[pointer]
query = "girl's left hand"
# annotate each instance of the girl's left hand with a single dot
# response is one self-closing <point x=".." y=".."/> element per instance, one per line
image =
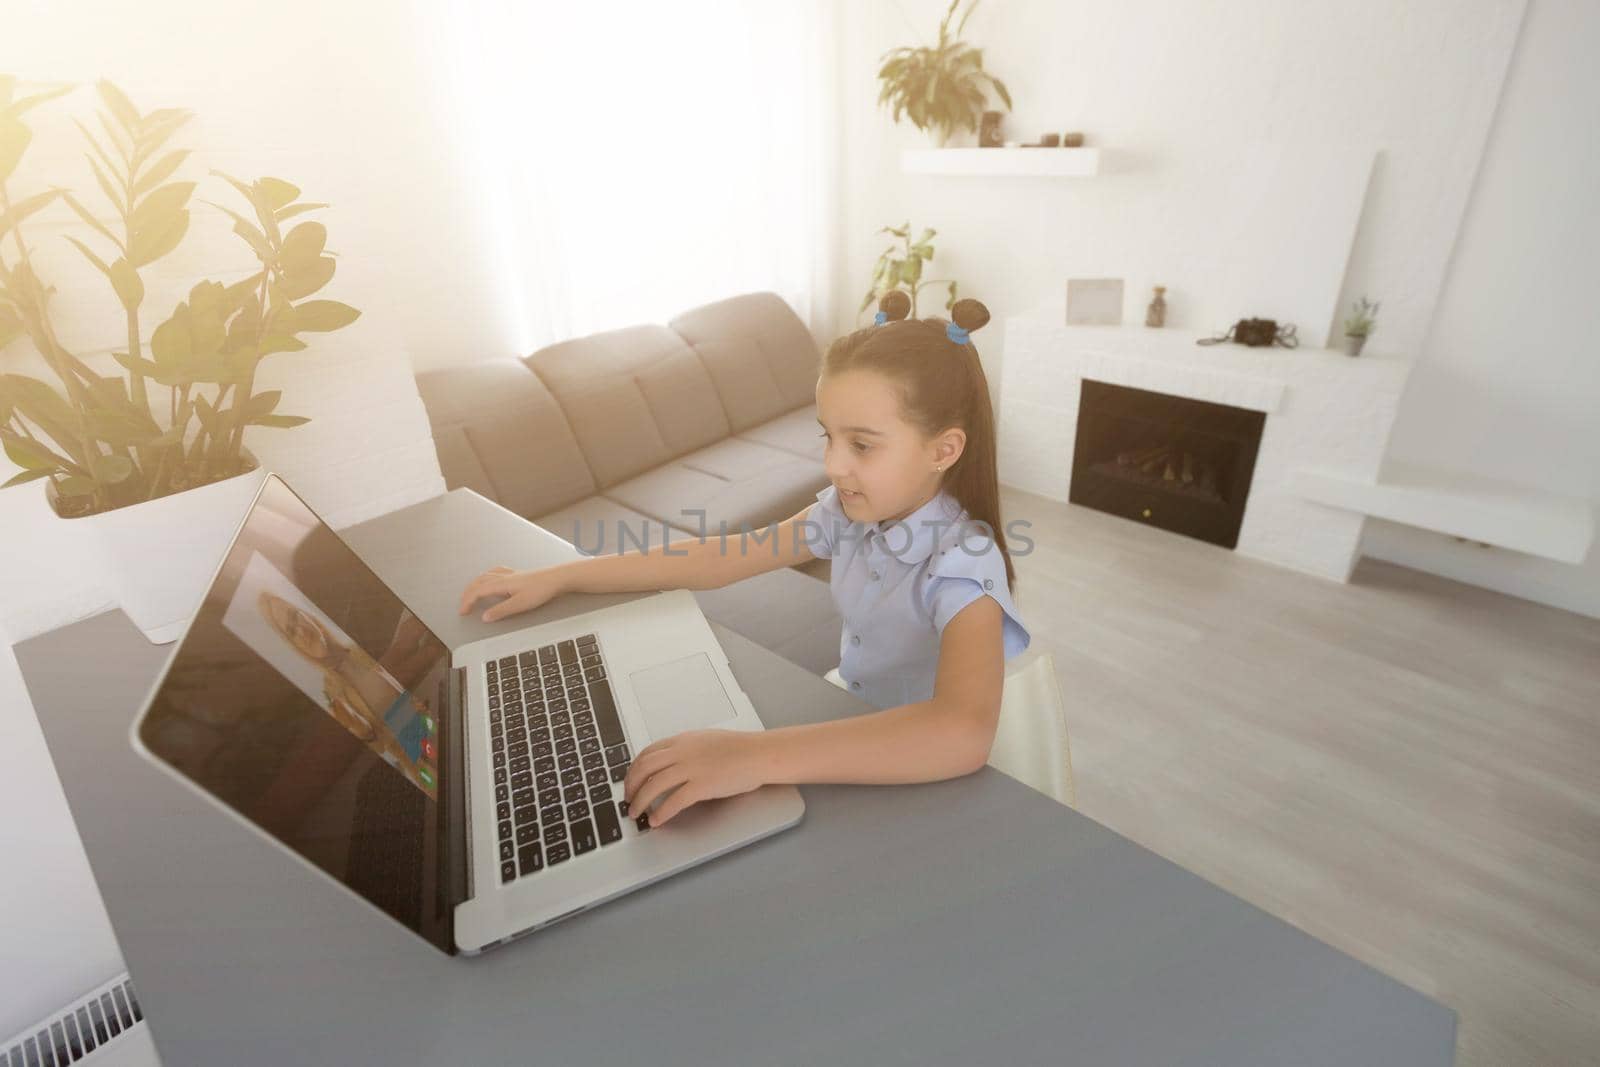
<point x="696" y="765"/>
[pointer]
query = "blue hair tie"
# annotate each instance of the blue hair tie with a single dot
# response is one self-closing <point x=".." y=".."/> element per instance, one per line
<point x="880" y="318"/>
<point x="956" y="334"/>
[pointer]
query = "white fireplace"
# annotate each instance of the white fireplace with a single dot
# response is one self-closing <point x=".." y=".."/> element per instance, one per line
<point x="1323" y="409"/>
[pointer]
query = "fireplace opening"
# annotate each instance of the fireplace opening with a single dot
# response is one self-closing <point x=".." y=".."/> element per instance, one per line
<point x="1169" y="461"/>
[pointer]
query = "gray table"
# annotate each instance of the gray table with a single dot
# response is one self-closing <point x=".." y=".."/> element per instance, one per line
<point x="960" y="922"/>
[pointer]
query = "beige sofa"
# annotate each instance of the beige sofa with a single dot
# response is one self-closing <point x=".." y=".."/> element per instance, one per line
<point x="638" y="429"/>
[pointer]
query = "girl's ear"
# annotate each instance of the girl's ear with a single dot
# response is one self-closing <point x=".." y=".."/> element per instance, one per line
<point x="947" y="448"/>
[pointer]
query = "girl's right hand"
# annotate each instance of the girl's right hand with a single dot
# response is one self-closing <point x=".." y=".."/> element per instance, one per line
<point x="523" y="591"/>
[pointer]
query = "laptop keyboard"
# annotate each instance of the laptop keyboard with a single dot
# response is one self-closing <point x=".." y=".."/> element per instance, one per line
<point x="558" y="750"/>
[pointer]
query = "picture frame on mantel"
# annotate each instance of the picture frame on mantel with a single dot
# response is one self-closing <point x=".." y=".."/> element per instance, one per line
<point x="1094" y="301"/>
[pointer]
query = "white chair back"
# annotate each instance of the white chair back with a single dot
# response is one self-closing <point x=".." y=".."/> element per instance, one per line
<point x="1030" y="742"/>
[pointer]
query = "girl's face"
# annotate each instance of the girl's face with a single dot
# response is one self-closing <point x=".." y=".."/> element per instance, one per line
<point x="881" y="464"/>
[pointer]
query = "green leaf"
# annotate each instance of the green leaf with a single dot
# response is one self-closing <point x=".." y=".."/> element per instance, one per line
<point x="297" y="209"/>
<point x="45" y="408"/>
<point x="122" y="429"/>
<point x="277" y="193"/>
<point x="157" y="128"/>
<point x="23" y="208"/>
<point x="156" y="210"/>
<point x="263" y="403"/>
<point x="321" y="316"/>
<point x="277" y="342"/>
<point x="11" y="327"/>
<point x="301" y="283"/>
<point x="282" y="421"/>
<point x="303" y="246"/>
<point x="75" y="485"/>
<point x="120" y="106"/>
<point x="114" y="138"/>
<point x="125" y="280"/>
<point x="29" y="102"/>
<point x="137" y="365"/>
<point x="108" y="187"/>
<point x="150" y="245"/>
<point x="207" y="413"/>
<point x="29" y="454"/>
<point x="244" y="190"/>
<point x="25" y="476"/>
<point x="170" y="343"/>
<point x="96" y="224"/>
<point x="105" y="268"/>
<point x="14" y="138"/>
<point x="112" y="469"/>
<point x="247" y="229"/>
<point x="160" y="172"/>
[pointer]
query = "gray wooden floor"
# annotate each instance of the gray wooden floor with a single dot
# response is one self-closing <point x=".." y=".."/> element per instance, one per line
<point x="1405" y="767"/>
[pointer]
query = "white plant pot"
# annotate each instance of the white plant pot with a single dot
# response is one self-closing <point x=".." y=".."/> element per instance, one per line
<point x="157" y="558"/>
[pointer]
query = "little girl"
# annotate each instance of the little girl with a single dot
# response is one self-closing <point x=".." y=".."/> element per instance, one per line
<point x="921" y="574"/>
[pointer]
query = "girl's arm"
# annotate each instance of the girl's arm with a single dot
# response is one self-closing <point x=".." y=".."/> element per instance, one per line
<point x="946" y="737"/>
<point x="701" y="563"/>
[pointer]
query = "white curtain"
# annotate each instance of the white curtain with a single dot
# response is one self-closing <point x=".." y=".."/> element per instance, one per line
<point x="638" y="159"/>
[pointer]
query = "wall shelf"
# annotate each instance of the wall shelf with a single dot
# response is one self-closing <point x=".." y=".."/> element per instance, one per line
<point x="1009" y="162"/>
<point x="1526" y="520"/>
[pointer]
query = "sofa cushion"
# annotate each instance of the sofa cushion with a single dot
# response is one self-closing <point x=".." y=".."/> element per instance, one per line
<point x="499" y="432"/>
<point x="677" y="494"/>
<point x="734" y="459"/>
<point x="684" y="402"/>
<point x="632" y="397"/>
<point x="762" y="358"/>
<point x="796" y="432"/>
<point x="597" y="526"/>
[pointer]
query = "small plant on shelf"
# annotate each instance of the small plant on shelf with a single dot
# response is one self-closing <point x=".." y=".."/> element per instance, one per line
<point x="941" y="89"/>
<point x="1360" y="325"/>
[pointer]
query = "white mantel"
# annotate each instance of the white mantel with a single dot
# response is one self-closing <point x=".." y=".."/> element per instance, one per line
<point x="1323" y="408"/>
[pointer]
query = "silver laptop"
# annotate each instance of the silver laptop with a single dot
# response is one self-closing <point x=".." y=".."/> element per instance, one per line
<point x="472" y="794"/>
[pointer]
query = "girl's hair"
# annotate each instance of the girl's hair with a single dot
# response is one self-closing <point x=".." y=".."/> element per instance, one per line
<point x="940" y="384"/>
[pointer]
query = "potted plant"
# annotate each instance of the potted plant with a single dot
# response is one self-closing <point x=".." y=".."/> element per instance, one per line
<point x="905" y="271"/>
<point x="941" y="89"/>
<point x="1359" y="325"/>
<point x="160" y="485"/>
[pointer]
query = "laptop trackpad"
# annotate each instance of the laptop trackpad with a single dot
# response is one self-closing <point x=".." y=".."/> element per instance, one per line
<point x="685" y="694"/>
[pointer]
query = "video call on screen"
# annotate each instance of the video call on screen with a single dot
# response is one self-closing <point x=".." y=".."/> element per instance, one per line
<point x="307" y="697"/>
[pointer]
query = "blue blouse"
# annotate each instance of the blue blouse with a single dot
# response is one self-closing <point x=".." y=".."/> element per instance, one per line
<point x="897" y="584"/>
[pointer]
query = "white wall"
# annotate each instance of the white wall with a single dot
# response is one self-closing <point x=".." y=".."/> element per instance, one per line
<point x="1508" y="382"/>
<point x="338" y="98"/>
<point x="1168" y="90"/>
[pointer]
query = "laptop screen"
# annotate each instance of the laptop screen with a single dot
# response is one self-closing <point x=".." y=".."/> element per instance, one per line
<point x="308" y="698"/>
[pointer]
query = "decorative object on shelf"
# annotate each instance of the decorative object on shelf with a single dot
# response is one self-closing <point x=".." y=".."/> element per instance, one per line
<point x="1072" y="140"/>
<point x="101" y="444"/>
<point x="941" y="89"/>
<point x="1049" y="140"/>
<point x="905" y="272"/>
<point x="1094" y="302"/>
<point x="1156" y="313"/>
<point x="1359" y="325"/>
<point x="989" y="130"/>
<point x="1257" y="333"/>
